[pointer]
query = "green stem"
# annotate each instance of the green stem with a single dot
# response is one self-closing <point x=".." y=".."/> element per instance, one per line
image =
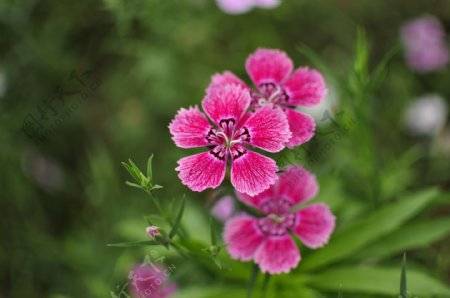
<point x="265" y="284"/>
<point x="252" y="281"/>
<point x="155" y="201"/>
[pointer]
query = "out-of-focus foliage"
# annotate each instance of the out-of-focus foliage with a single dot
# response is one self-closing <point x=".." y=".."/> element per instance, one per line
<point x="116" y="72"/>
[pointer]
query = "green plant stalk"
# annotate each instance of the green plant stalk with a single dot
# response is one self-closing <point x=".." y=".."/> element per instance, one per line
<point x="265" y="284"/>
<point x="158" y="206"/>
<point x="252" y="281"/>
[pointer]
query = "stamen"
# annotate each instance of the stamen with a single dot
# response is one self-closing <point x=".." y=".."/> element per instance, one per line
<point x="274" y="95"/>
<point x="223" y="135"/>
<point x="235" y="142"/>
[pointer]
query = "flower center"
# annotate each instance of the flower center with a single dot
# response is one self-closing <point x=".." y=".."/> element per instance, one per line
<point x="269" y="93"/>
<point x="278" y="220"/>
<point x="226" y="139"/>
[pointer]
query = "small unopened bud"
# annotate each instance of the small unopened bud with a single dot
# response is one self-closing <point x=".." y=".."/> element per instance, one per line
<point x="152" y="232"/>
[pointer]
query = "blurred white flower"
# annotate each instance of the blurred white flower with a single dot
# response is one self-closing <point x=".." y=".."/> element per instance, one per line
<point x="426" y="115"/>
<point x="243" y="6"/>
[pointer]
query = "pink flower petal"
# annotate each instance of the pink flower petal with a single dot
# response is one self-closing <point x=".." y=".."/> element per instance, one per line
<point x="252" y="173"/>
<point x="225" y="78"/>
<point x="268" y="66"/>
<point x="226" y="102"/>
<point x="201" y="171"/>
<point x="297" y="185"/>
<point x="278" y="254"/>
<point x="314" y="225"/>
<point x="223" y="208"/>
<point x="302" y="127"/>
<point x="243" y="237"/>
<point x="428" y="60"/>
<point x="235" y="6"/>
<point x="189" y="128"/>
<point x="306" y="87"/>
<point x="268" y="129"/>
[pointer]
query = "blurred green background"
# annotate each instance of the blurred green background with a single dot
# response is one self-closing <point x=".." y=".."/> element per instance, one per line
<point x="118" y="71"/>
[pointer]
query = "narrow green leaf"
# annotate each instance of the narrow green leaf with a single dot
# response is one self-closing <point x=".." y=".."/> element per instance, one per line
<point x="362" y="53"/>
<point x="156" y="186"/>
<point x="376" y="281"/>
<point x="134" y="166"/>
<point x="411" y="236"/>
<point x="133" y="184"/>
<point x="144" y="180"/>
<point x="149" y="168"/>
<point x="177" y="223"/>
<point x="375" y="225"/>
<point x="132" y="172"/>
<point x="135" y="243"/>
<point x="252" y="280"/>
<point x="403" y="287"/>
<point x="137" y="171"/>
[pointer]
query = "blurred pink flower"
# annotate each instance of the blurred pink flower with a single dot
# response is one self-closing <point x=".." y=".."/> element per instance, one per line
<point x="234" y="129"/>
<point x="152" y="232"/>
<point x="267" y="240"/>
<point x="147" y="281"/>
<point x="425" y="45"/>
<point x="223" y="208"/>
<point x="272" y="73"/>
<point x="242" y="6"/>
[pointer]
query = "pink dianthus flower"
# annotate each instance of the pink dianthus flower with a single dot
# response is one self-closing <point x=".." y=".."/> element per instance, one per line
<point x="232" y="131"/>
<point x="425" y="46"/>
<point x="147" y="281"/>
<point x="266" y="240"/>
<point x="272" y="73"/>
